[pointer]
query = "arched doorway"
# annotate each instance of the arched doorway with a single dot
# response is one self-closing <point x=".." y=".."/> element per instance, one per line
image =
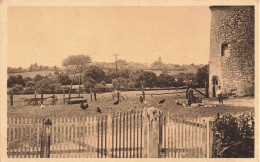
<point x="215" y="83"/>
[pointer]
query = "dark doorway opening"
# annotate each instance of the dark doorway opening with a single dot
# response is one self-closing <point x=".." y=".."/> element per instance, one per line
<point x="215" y="83"/>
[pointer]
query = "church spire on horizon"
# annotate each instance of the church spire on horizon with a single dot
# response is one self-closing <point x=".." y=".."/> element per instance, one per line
<point x="160" y="58"/>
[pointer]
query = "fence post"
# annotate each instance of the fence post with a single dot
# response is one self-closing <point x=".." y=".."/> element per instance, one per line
<point x="12" y="98"/>
<point x="146" y="134"/>
<point x="109" y="136"/>
<point x="41" y="96"/>
<point x="63" y="95"/>
<point x="53" y="98"/>
<point x="155" y="134"/>
<point x="35" y="98"/>
<point x="143" y="92"/>
<point x="95" y="94"/>
<point x="210" y="139"/>
<point x="90" y="91"/>
<point x="160" y="125"/>
<point x="45" y="139"/>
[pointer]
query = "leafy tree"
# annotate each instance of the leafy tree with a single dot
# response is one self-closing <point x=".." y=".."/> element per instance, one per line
<point x="38" y="77"/>
<point x="134" y="81"/>
<point x="164" y="80"/>
<point x="30" y="85"/>
<point x="203" y="75"/>
<point x="20" y="80"/>
<point x="95" y="73"/>
<point x="108" y="79"/>
<point x="124" y="73"/>
<point x="131" y="84"/>
<point x="173" y="80"/>
<point x="26" y="79"/>
<point x="11" y="81"/>
<point x="47" y="83"/>
<point x="191" y="76"/>
<point x="89" y="83"/>
<point x="148" y="79"/>
<point x="17" y="88"/>
<point x="76" y="59"/>
<point x="122" y="82"/>
<point x="180" y="82"/>
<point x="64" y="79"/>
<point x="92" y="76"/>
<point x="34" y="67"/>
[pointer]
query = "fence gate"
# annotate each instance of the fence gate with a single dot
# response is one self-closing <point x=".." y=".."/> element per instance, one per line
<point x="121" y="135"/>
<point x="182" y="139"/>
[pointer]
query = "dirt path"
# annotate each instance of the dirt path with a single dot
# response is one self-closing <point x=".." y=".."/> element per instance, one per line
<point x="247" y="102"/>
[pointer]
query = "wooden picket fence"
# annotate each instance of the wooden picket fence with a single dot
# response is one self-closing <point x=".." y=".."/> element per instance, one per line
<point x="121" y="136"/>
<point x="183" y="139"/>
<point x="131" y="134"/>
<point x="23" y="137"/>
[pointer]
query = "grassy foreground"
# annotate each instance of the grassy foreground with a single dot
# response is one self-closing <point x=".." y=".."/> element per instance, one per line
<point x="105" y="102"/>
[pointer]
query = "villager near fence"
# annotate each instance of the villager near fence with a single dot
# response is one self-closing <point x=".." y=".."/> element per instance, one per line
<point x="133" y="134"/>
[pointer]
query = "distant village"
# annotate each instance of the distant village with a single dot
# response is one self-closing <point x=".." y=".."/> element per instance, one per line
<point x="104" y="76"/>
<point x="157" y="67"/>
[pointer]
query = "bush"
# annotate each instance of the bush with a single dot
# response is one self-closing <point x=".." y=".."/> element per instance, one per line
<point x="17" y="88"/>
<point x="234" y="136"/>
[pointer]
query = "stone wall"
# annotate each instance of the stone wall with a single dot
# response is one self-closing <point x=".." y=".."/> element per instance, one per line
<point x="232" y="25"/>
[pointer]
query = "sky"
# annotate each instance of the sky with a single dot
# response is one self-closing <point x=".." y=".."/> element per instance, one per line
<point x="47" y="35"/>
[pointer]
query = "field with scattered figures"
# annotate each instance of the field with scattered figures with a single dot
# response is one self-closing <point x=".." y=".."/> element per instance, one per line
<point x="130" y="102"/>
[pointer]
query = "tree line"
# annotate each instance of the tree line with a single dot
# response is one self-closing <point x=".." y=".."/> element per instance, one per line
<point x="32" y="67"/>
<point x="93" y="76"/>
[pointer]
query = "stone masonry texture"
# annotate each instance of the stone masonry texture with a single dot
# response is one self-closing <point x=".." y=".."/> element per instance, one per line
<point x="234" y="26"/>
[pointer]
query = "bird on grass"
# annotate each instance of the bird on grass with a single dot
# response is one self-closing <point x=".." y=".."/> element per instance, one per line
<point x="162" y="101"/>
<point x="116" y="103"/>
<point x="178" y="103"/>
<point x="83" y="107"/>
<point x="189" y="102"/>
<point x="98" y="110"/>
<point x="42" y="106"/>
<point x="141" y="99"/>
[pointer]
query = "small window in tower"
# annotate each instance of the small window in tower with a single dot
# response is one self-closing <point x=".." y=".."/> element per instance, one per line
<point x="224" y="50"/>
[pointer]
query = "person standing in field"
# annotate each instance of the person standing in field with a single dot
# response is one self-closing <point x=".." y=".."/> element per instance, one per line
<point x="220" y="95"/>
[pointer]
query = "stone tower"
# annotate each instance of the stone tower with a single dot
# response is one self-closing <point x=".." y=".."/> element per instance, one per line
<point x="231" y="63"/>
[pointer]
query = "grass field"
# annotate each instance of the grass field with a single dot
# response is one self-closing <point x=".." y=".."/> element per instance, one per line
<point x="33" y="73"/>
<point x="105" y="102"/>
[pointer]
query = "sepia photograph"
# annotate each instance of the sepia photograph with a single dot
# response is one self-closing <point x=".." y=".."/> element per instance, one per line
<point x="131" y="81"/>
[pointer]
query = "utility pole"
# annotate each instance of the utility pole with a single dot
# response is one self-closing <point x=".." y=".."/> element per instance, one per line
<point x="80" y="71"/>
<point x="116" y="77"/>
